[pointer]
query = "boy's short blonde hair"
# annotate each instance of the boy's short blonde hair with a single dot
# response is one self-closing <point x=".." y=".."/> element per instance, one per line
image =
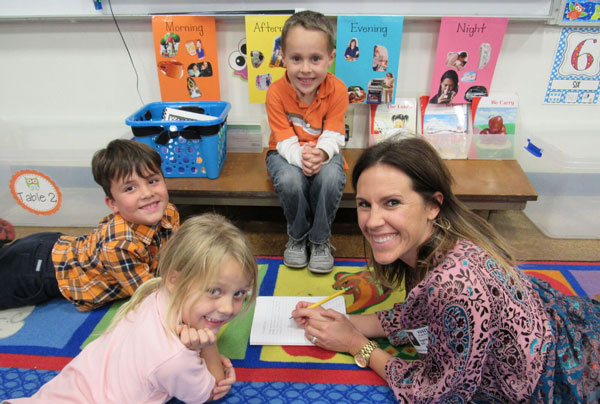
<point x="311" y="21"/>
<point x="120" y="158"/>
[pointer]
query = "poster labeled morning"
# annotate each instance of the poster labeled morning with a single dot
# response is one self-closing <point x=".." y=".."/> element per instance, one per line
<point x="186" y="57"/>
<point x="466" y="56"/>
<point x="263" y="44"/>
<point x="367" y="55"/>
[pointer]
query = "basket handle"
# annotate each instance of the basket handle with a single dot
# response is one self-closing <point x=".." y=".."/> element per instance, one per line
<point x="189" y="133"/>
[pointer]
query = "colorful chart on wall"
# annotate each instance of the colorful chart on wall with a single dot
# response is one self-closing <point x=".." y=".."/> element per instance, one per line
<point x="265" y="63"/>
<point x="186" y="57"/>
<point x="467" y="51"/>
<point x="580" y="12"/>
<point x="575" y="75"/>
<point x="35" y="192"/>
<point x="367" y="57"/>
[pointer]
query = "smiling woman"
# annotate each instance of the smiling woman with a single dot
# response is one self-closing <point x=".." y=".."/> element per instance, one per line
<point x="465" y="299"/>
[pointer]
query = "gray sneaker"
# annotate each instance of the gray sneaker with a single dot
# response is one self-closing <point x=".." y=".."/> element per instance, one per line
<point x="295" y="254"/>
<point x="321" y="260"/>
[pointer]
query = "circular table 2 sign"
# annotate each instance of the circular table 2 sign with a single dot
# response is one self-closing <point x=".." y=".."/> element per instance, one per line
<point x="36" y="192"/>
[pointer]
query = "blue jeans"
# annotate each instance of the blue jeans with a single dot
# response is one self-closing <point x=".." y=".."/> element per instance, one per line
<point x="309" y="203"/>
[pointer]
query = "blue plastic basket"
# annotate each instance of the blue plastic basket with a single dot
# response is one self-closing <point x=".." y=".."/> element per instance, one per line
<point x="188" y="149"/>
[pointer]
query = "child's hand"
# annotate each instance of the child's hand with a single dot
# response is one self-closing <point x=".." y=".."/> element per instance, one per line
<point x="194" y="339"/>
<point x="312" y="159"/>
<point x="222" y="387"/>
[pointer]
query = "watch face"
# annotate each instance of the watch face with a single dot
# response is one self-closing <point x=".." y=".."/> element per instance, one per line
<point x="360" y="360"/>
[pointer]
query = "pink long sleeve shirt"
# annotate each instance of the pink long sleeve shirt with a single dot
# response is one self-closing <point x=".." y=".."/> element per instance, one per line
<point x="139" y="361"/>
<point x="488" y="333"/>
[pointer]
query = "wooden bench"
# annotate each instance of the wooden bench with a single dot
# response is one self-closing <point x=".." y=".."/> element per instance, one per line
<point x="481" y="184"/>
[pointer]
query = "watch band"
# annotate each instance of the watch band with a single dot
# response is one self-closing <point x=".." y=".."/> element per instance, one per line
<point x="366" y="351"/>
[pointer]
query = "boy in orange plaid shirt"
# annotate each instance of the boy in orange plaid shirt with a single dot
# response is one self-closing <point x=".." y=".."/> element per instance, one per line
<point x="117" y="257"/>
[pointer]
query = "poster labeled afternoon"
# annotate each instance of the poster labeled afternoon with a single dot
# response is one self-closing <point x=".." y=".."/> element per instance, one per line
<point x="367" y="56"/>
<point x="265" y="60"/>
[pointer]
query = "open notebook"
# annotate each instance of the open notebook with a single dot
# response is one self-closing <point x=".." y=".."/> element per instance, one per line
<point x="272" y="324"/>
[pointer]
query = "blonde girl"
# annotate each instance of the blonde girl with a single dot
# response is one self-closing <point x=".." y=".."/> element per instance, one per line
<point x="162" y="342"/>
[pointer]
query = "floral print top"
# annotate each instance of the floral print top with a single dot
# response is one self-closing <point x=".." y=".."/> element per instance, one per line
<point x="488" y="333"/>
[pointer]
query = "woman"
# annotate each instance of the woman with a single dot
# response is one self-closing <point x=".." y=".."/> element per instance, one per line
<point x="352" y="51"/>
<point x="448" y="88"/>
<point x="492" y="334"/>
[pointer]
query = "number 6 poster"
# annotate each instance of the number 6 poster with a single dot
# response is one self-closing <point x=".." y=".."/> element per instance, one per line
<point x="575" y="75"/>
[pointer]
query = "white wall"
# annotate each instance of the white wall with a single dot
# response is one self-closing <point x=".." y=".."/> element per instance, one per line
<point x="69" y="84"/>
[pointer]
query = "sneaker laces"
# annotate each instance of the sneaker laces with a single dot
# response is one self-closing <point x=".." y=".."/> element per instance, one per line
<point x="322" y="248"/>
<point x="296" y="245"/>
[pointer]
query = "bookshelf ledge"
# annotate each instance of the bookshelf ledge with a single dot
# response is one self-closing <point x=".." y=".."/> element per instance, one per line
<point x="243" y="181"/>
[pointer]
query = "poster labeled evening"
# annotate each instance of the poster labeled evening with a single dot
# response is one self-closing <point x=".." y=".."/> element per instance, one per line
<point x="367" y="56"/>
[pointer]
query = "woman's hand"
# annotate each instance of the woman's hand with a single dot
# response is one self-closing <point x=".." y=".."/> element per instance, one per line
<point x="194" y="339"/>
<point x="222" y="387"/>
<point x="333" y="330"/>
<point x="300" y="320"/>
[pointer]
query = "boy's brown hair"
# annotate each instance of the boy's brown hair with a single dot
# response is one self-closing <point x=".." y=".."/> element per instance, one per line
<point x="120" y="159"/>
<point x="311" y="21"/>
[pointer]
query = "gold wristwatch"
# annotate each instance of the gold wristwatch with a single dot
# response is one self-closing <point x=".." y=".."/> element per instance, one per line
<point x="364" y="355"/>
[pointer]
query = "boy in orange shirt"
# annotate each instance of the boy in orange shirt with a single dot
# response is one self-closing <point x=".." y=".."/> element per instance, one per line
<point x="306" y="111"/>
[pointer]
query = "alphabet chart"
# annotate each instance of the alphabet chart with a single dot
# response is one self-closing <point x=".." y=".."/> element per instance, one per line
<point x="575" y="76"/>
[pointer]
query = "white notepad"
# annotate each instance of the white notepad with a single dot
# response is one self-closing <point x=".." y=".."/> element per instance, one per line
<point x="272" y="324"/>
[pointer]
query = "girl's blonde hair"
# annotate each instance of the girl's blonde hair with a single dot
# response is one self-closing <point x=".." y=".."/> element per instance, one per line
<point x="416" y="158"/>
<point x="196" y="252"/>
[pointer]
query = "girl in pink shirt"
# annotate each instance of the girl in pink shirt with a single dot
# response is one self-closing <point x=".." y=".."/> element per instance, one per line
<point x="162" y="342"/>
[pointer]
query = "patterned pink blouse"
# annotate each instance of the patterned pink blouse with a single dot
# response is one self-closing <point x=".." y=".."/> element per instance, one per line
<point x="488" y="333"/>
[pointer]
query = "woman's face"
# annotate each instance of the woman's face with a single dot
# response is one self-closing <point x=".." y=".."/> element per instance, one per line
<point x="394" y="219"/>
<point x="447" y="85"/>
<point x="353" y="44"/>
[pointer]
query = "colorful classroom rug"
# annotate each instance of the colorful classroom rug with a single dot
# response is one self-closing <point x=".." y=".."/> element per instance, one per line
<point x="36" y="342"/>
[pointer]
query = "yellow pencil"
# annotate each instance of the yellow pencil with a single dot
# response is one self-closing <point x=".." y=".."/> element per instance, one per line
<point x="336" y="294"/>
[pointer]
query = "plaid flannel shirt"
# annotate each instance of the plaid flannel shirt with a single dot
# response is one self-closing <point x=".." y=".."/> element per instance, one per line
<point x="112" y="261"/>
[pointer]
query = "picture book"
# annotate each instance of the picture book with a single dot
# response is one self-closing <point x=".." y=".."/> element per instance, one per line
<point x="263" y="44"/>
<point x="396" y="119"/>
<point x="465" y="60"/>
<point x="272" y="324"/>
<point x="186" y="57"/>
<point x="367" y="56"/>
<point x="494" y="118"/>
<point x="445" y="127"/>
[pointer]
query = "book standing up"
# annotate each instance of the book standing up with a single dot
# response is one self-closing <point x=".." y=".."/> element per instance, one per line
<point x="445" y="127"/>
<point x="396" y="119"/>
<point x="494" y="119"/>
